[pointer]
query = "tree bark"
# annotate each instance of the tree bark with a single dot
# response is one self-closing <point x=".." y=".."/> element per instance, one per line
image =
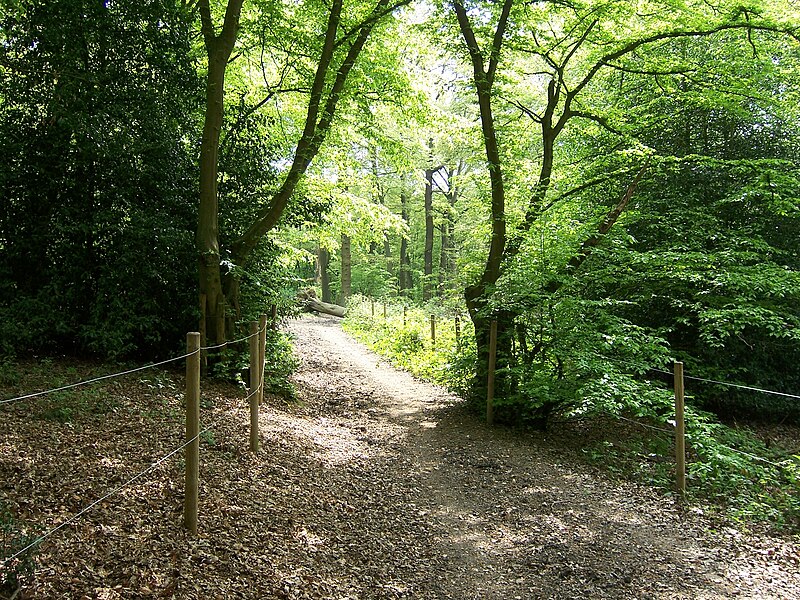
<point x="325" y="307"/>
<point x="323" y="260"/>
<point x="446" y="261"/>
<point x="427" y="273"/>
<point x="404" y="282"/>
<point x="218" y="49"/>
<point x="346" y="270"/>
<point x="476" y="294"/>
<point x="444" y="253"/>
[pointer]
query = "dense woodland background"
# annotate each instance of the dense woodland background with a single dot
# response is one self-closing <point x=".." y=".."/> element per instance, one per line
<point x="616" y="183"/>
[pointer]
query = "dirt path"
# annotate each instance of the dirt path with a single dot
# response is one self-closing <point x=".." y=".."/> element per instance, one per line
<point x="372" y="486"/>
<point x="435" y="505"/>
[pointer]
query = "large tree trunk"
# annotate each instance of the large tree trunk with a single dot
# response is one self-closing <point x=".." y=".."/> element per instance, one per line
<point x="476" y="295"/>
<point x="218" y="48"/>
<point x="446" y="261"/>
<point x="325" y="307"/>
<point x="326" y="92"/>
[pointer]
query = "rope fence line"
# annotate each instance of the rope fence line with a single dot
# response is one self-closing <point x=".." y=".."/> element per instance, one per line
<point x="133" y="479"/>
<point x="108" y="495"/>
<point x="701" y="379"/>
<point x="679" y="426"/>
<point x="733" y="385"/>
<point x="255" y="389"/>
<point x="123" y="373"/>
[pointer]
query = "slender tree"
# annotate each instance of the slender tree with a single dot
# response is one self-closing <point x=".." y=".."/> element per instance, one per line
<point x="340" y="50"/>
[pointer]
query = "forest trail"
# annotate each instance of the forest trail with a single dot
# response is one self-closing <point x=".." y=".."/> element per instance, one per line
<point x="440" y="506"/>
<point x="373" y="485"/>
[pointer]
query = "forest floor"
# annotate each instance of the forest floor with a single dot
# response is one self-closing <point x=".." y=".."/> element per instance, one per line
<point x="372" y="485"/>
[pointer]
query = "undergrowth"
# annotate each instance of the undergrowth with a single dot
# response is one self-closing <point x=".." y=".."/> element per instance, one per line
<point x="407" y="341"/>
<point x="280" y="362"/>
<point x="729" y="470"/>
<point x="15" y="537"/>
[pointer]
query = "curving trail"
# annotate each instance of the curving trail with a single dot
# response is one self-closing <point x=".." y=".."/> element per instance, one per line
<point x="372" y="486"/>
<point x="432" y="504"/>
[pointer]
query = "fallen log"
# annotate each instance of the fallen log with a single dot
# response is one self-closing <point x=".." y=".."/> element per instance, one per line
<point x="315" y="305"/>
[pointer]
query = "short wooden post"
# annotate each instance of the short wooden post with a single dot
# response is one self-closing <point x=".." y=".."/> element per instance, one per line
<point x="490" y="381"/>
<point x="262" y="350"/>
<point x="192" y="453"/>
<point x="680" y="431"/>
<point x="255" y="382"/>
<point x="372" y="307"/>
<point x="404" y="316"/>
<point x="384" y="310"/>
<point x="458" y="332"/>
<point x="433" y="329"/>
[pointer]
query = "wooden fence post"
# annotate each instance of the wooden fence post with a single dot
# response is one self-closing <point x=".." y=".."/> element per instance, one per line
<point x="384" y="310"/>
<point x="404" y="316"/>
<point x="680" y="431"/>
<point x="192" y="453"/>
<point x="458" y="333"/>
<point x="255" y="381"/>
<point x="433" y="329"/>
<point x="492" y="363"/>
<point x="262" y="351"/>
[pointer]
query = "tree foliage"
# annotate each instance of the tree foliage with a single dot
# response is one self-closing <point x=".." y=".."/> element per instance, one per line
<point x="97" y="175"/>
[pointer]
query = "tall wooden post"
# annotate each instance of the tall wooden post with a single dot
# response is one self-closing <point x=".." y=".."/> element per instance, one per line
<point x="255" y="382"/>
<point x="458" y="332"/>
<point x="262" y="350"/>
<point x="192" y="453"/>
<point x="680" y="431"/>
<point x="433" y="329"/>
<point x="492" y="363"/>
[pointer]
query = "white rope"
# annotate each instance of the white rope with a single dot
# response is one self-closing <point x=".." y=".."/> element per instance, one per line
<point x="754" y="457"/>
<point x="123" y="373"/>
<point x="139" y="475"/>
<point x="96" y="379"/>
<point x="113" y="492"/>
<point x="733" y="385"/>
<point x="244" y="339"/>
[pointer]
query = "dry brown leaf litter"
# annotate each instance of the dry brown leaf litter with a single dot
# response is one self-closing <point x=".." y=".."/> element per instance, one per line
<point x="374" y="486"/>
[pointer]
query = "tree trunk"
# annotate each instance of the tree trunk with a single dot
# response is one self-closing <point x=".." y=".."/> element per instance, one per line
<point x="326" y="92"/>
<point x="404" y="282"/>
<point x="427" y="273"/>
<point x="218" y="49"/>
<point x="444" y="253"/>
<point x="327" y="308"/>
<point x="346" y="270"/>
<point x="476" y="295"/>
<point x="323" y="260"/>
<point x="446" y="261"/>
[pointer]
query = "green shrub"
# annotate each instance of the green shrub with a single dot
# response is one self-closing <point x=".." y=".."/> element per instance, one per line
<point x="14" y="537"/>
